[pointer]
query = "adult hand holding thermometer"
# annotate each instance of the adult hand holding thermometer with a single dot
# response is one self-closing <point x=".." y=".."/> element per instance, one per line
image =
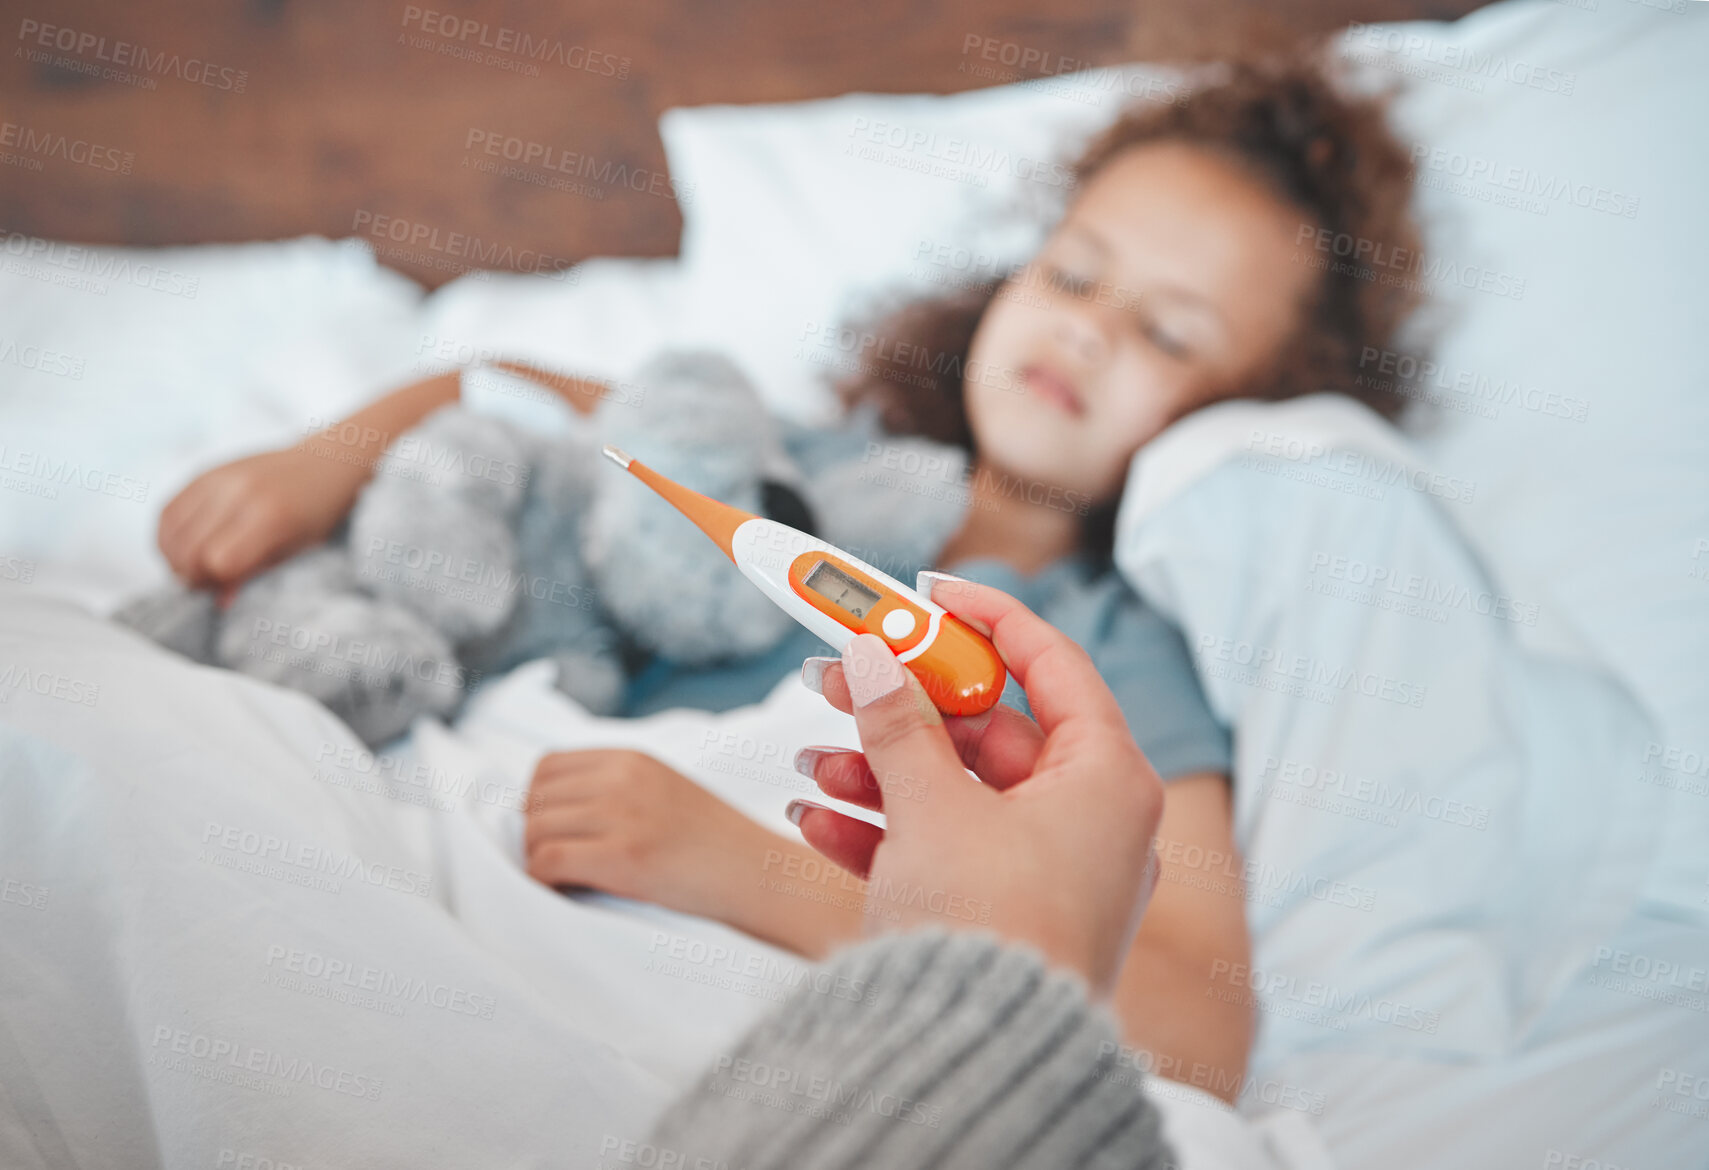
<point x="837" y="596"/>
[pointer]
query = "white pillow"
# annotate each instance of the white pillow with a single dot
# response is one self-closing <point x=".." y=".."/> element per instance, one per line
<point x="602" y="319"/>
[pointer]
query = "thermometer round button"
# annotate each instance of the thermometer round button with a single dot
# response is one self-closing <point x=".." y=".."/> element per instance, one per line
<point x="898" y="624"/>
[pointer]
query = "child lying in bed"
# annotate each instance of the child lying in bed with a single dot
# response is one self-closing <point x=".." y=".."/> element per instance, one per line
<point x="1184" y="272"/>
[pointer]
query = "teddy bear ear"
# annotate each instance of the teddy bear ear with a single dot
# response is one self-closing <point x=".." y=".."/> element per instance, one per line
<point x="784" y="504"/>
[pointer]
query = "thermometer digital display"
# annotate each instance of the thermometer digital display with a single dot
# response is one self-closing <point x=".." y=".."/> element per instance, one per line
<point x="830" y="582"/>
<point x="837" y="596"/>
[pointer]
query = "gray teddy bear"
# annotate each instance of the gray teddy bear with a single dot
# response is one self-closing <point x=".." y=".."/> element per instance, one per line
<point x="480" y="544"/>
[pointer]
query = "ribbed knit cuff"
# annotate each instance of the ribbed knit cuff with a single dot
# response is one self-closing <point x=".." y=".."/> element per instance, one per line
<point x="934" y="1048"/>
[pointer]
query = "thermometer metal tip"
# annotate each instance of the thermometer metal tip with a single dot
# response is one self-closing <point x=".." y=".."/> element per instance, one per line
<point x="617" y="455"/>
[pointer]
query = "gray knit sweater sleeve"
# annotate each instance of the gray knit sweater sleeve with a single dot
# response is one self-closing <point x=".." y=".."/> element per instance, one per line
<point x="944" y="1049"/>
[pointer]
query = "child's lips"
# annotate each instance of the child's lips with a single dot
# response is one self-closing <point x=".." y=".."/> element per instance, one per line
<point x="1053" y="388"/>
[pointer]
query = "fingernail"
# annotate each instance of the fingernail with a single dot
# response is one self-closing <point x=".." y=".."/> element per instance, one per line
<point x="870" y="669"/>
<point x="813" y="673"/>
<point x="925" y="579"/>
<point x="808" y="758"/>
<point x="796" y="809"/>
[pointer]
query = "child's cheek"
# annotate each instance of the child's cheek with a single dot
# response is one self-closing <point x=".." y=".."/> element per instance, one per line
<point x="1156" y="398"/>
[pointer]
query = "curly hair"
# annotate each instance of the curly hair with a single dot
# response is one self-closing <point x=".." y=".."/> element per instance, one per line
<point x="1285" y="123"/>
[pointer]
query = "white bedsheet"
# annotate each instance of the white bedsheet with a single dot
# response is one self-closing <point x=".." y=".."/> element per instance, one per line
<point x="230" y="932"/>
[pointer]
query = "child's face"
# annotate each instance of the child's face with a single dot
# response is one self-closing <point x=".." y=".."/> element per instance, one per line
<point x="1167" y="286"/>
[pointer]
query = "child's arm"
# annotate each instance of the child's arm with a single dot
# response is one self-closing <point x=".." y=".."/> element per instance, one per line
<point x="1183" y="997"/>
<point x="625" y="823"/>
<point x="238" y="518"/>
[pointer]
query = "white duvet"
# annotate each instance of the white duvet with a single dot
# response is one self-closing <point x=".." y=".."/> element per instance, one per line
<point x="232" y="933"/>
<point x="1446" y="858"/>
<point x="1436" y="843"/>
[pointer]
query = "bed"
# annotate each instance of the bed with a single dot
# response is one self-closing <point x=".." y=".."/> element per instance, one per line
<point x="1518" y="981"/>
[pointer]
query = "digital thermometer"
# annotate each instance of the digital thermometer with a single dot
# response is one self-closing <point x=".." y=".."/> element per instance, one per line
<point x="838" y="596"/>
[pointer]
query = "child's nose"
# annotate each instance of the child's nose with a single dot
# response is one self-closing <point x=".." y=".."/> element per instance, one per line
<point x="1082" y="334"/>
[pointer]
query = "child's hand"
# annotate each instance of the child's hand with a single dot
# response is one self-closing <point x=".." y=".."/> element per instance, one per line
<point x="233" y="521"/>
<point x="622" y="822"/>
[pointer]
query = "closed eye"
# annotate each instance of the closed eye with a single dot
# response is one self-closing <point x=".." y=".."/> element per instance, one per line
<point x="1163" y="339"/>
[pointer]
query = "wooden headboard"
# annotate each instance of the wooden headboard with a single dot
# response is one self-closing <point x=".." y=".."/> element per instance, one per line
<point x="214" y="120"/>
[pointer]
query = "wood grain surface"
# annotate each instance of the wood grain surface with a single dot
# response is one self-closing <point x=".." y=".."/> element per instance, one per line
<point x="497" y="133"/>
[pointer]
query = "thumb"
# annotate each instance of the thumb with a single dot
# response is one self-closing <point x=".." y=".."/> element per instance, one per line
<point x="901" y="732"/>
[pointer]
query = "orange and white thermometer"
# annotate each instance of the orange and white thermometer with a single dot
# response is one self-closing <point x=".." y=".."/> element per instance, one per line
<point x="838" y="596"/>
